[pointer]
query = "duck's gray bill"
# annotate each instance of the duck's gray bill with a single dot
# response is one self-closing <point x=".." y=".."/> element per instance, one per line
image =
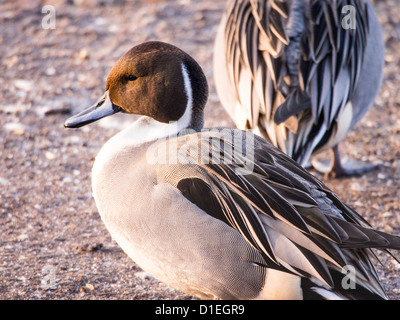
<point x="102" y="108"/>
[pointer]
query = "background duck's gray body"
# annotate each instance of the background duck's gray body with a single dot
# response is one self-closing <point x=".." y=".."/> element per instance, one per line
<point x="371" y="74"/>
<point x="271" y="71"/>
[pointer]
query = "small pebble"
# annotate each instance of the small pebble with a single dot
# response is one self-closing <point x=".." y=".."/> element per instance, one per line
<point x="89" y="286"/>
<point x="25" y="85"/>
<point x="50" y="155"/>
<point x="143" y="275"/>
<point x="15" y="128"/>
<point x="387" y="214"/>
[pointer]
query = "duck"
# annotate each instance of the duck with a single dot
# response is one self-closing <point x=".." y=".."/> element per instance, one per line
<point x="218" y="213"/>
<point x="301" y="74"/>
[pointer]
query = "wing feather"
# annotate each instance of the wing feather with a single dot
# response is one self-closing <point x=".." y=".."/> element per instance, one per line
<point x="296" y="223"/>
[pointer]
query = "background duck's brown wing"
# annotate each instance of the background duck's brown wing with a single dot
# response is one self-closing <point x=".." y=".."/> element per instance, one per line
<point x="295" y="65"/>
<point x="290" y="217"/>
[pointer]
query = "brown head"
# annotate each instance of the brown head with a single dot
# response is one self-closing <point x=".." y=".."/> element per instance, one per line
<point x="154" y="79"/>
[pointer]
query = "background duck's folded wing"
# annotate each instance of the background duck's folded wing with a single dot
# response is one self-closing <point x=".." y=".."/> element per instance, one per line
<point x="296" y="65"/>
<point x="330" y="66"/>
<point x="255" y="39"/>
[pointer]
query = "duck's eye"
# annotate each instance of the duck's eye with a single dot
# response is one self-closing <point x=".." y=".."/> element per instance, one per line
<point x="132" y="77"/>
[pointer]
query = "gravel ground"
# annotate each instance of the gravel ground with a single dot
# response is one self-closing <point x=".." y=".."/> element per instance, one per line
<point x="53" y="244"/>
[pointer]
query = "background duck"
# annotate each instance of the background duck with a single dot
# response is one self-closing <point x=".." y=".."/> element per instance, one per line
<point x="202" y="227"/>
<point x="300" y="73"/>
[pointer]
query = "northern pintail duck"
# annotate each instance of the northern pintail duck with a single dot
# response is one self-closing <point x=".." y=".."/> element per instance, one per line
<point x="218" y="213"/>
<point x="301" y="73"/>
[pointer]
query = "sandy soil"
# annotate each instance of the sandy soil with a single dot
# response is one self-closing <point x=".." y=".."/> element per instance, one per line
<point x="53" y="244"/>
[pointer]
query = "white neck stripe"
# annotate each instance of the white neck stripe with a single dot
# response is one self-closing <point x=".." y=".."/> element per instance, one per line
<point x="185" y="120"/>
